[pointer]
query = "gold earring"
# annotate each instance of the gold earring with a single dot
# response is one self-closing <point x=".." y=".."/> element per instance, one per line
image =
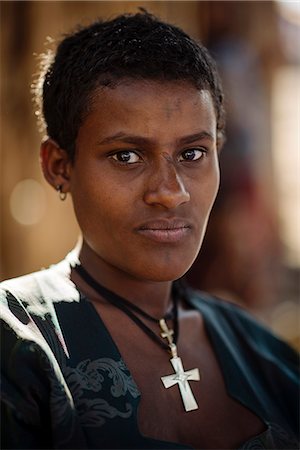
<point x="62" y="195"/>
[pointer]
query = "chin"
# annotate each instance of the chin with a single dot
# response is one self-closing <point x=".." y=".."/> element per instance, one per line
<point x="168" y="272"/>
<point x="165" y="265"/>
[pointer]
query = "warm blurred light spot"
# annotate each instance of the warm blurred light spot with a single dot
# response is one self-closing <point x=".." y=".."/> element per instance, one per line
<point x="290" y="10"/>
<point x="286" y="157"/>
<point x="27" y="202"/>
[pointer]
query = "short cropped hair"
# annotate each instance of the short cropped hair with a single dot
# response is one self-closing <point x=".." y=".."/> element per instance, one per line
<point x="135" y="46"/>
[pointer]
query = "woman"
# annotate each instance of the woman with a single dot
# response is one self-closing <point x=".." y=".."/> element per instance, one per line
<point x="105" y="350"/>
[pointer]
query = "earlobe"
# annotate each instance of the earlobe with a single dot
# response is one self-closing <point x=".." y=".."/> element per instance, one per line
<point x="56" y="164"/>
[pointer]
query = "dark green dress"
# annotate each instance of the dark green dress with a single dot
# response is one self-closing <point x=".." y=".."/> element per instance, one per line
<point x="65" y="385"/>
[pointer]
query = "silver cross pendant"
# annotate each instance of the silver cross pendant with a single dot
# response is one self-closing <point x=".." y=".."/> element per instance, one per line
<point x="180" y="377"/>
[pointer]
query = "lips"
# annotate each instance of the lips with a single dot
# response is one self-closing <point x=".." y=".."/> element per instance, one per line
<point x="165" y="231"/>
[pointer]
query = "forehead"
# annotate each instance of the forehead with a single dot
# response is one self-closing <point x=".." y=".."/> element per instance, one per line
<point x="130" y="91"/>
<point x="150" y="107"/>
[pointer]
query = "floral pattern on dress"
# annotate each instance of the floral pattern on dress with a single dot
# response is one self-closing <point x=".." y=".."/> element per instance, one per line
<point x="110" y="379"/>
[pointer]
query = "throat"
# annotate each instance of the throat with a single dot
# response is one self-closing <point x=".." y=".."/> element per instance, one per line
<point x="154" y="301"/>
<point x="154" y="297"/>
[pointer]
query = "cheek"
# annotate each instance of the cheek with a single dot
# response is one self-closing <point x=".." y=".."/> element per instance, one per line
<point x="215" y="174"/>
<point x="100" y="205"/>
<point x="205" y="187"/>
<point x="90" y="201"/>
<point x="214" y="184"/>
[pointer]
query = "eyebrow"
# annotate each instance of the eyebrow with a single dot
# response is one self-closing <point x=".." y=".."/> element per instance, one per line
<point x="197" y="137"/>
<point x="140" y="140"/>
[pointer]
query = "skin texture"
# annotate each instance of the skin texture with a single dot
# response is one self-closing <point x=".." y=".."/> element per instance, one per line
<point x="112" y="200"/>
<point x="143" y="221"/>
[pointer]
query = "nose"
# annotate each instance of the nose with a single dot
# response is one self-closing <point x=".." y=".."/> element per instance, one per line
<point x="165" y="187"/>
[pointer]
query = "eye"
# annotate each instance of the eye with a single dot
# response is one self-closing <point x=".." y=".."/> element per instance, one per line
<point x="192" y="154"/>
<point x="126" y="157"/>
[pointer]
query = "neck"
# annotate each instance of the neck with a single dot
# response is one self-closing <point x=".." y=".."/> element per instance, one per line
<point x="153" y="297"/>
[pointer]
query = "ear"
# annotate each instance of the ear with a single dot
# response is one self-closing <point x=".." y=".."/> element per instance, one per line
<point x="56" y="165"/>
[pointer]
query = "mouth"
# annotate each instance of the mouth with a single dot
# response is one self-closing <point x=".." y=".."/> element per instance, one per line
<point x="165" y="231"/>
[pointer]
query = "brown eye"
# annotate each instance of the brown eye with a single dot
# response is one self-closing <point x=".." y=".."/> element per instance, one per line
<point x="192" y="154"/>
<point x="126" y="157"/>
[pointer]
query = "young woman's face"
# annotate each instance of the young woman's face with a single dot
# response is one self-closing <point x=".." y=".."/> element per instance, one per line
<point x="145" y="176"/>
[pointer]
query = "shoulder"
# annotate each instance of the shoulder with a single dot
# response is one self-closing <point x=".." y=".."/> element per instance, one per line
<point x="37" y="292"/>
<point x="229" y="313"/>
<point x="28" y="307"/>
<point x="243" y="329"/>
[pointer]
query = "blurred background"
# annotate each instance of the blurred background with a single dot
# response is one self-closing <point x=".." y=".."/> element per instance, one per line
<point x="251" y="254"/>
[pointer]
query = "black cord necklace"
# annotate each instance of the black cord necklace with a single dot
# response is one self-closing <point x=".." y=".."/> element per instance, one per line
<point x="132" y="311"/>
